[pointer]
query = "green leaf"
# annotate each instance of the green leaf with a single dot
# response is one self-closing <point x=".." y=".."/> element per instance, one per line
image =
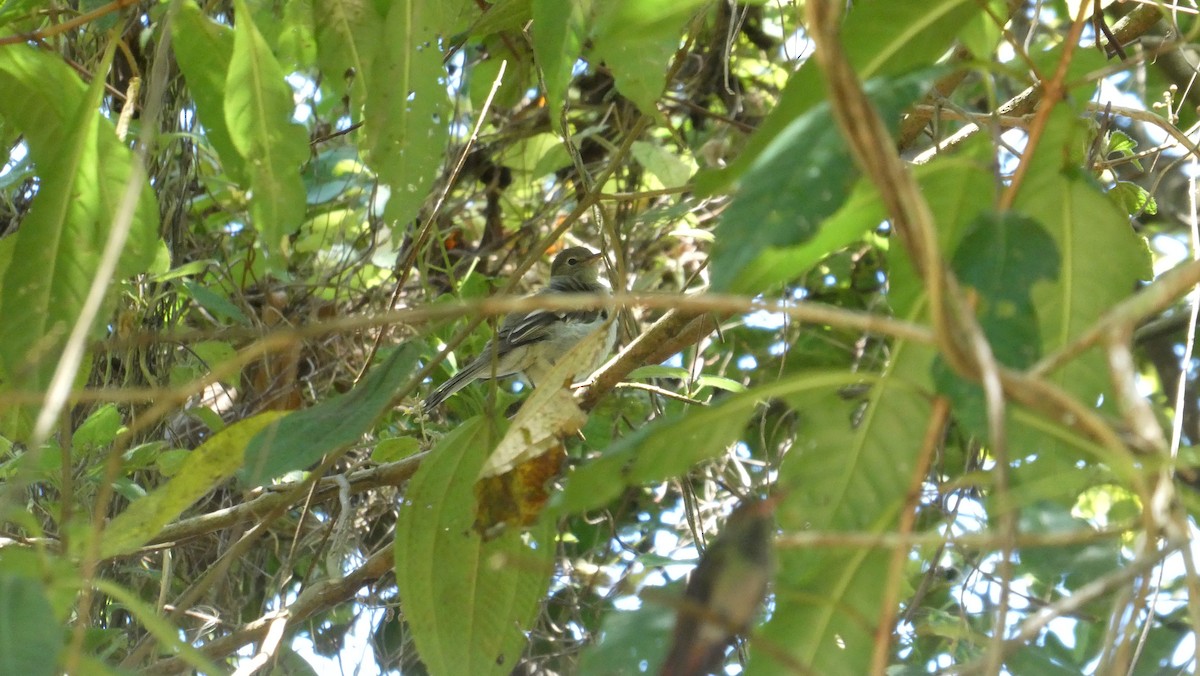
<point x="467" y="602"/>
<point x="84" y="171"/>
<point x="99" y="430"/>
<point x="665" y="165"/>
<point x="658" y="371"/>
<point x="1133" y="199"/>
<point x="203" y="49"/>
<point x="56" y="576"/>
<point x="500" y="17"/>
<point x="215" y="303"/>
<point x="669" y="446"/>
<point x="883" y="38"/>
<point x="171" y="461"/>
<point x="397" y="448"/>
<point x="1002" y="257"/>
<point x="529" y="155"/>
<point x="13" y="10"/>
<point x="258" y="112"/>
<point x="210" y="465"/>
<point x="1103" y="259"/>
<point x="296" y="44"/>
<point x="636" y="40"/>
<point x="304" y="436"/>
<point x="31" y="636"/>
<point x="1074" y="564"/>
<point x="407" y="114"/>
<point x="981" y="34"/>
<point x="783" y="202"/>
<point x="558" y="32"/>
<point x="630" y="638"/>
<point x="957" y="189"/>
<point x="850" y="473"/>
<point x="348" y="33"/>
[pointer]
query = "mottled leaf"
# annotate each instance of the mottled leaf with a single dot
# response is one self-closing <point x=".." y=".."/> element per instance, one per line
<point x="407" y="114"/>
<point x="202" y="470"/>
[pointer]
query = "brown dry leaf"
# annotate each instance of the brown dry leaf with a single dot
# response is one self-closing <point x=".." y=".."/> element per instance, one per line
<point x="516" y="498"/>
<point x="511" y="488"/>
<point x="550" y="413"/>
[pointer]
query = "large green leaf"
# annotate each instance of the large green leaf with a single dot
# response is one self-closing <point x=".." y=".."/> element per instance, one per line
<point x="348" y="33"/>
<point x="668" y="447"/>
<point x="849" y="472"/>
<point x="558" y="34"/>
<point x="636" y="39"/>
<point x="215" y="461"/>
<point x="782" y="200"/>
<point x="258" y="112"/>
<point x="407" y="109"/>
<point x="203" y="49"/>
<point x="1103" y="259"/>
<point x="301" y="438"/>
<point x="955" y="186"/>
<point x="30" y="635"/>
<point x="882" y="38"/>
<point x="1002" y="257"/>
<point x="84" y="171"/>
<point x="467" y="601"/>
<point x="957" y="189"/>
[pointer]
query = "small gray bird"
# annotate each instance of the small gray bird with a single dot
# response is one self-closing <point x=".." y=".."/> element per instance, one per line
<point x="534" y="340"/>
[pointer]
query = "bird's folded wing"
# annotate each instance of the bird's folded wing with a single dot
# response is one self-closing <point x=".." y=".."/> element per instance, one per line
<point x="532" y="327"/>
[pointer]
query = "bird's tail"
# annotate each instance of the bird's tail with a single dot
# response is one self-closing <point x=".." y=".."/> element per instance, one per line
<point x="456" y="383"/>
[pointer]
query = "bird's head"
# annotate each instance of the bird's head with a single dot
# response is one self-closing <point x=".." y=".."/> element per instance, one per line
<point x="578" y="262"/>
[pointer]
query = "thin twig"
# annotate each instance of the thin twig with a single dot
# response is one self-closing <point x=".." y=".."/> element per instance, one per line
<point x="1079" y="598"/>
<point x="935" y="428"/>
<point x="70" y="24"/>
<point x="1052" y="92"/>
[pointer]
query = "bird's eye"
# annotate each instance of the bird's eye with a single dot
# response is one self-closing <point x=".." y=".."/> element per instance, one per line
<point x="572" y="261"/>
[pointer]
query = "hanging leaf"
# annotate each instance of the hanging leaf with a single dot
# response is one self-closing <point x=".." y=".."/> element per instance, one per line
<point x="468" y="602"/>
<point x="258" y="111"/>
<point x="407" y="114"/>
<point x="84" y="171"/>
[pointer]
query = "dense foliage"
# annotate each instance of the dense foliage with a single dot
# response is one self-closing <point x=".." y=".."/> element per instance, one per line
<point x="920" y="271"/>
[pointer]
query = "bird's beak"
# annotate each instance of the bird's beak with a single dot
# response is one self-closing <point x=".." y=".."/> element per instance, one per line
<point x="592" y="259"/>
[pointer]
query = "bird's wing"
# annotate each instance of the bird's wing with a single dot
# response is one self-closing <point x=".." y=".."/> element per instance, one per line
<point x="522" y="329"/>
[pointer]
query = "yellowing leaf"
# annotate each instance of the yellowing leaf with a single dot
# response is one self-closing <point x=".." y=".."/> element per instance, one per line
<point x="212" y="463"/>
